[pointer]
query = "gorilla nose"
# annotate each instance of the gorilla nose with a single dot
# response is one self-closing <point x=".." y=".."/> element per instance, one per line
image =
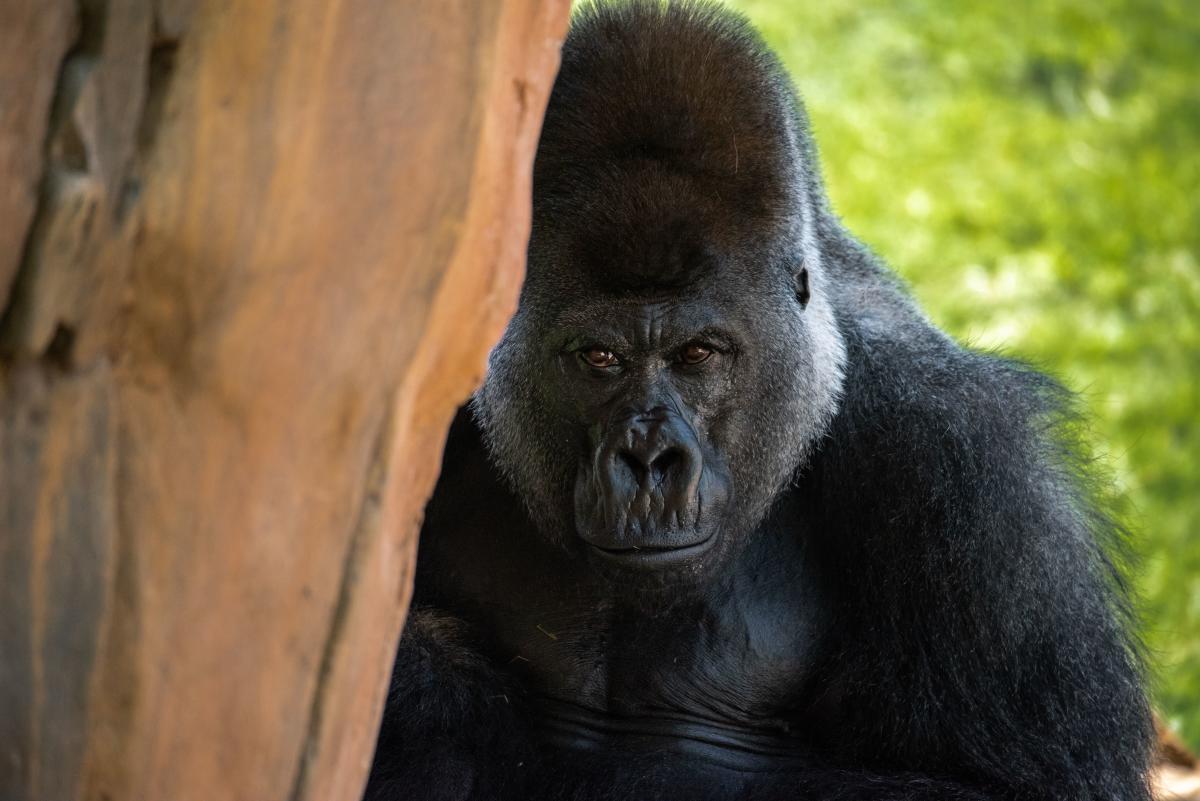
<point x="659" y="453"/>
<point x="643" y="501"/>
<point x="651" y="463"/>
<point x="653" y="473"/>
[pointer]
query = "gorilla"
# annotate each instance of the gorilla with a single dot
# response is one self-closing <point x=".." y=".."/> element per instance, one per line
<point x="730" y="518"/>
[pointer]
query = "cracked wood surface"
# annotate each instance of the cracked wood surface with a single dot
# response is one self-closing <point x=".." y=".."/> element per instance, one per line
<point x="252" y="255"/>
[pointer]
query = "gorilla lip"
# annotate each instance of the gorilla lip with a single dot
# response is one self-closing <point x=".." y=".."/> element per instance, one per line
<point x="654" y="556"/>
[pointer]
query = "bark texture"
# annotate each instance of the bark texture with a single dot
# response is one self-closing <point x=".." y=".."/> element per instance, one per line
<point x="252" y="256"/>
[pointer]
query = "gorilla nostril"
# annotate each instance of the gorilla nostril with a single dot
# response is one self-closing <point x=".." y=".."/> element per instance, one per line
<point x="664" y="462"/>
<point x="636" y="466"/>
<point x="652" y="467"/>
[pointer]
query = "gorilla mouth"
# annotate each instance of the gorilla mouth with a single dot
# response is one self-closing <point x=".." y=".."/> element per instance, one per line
<point x="654" y="556"/>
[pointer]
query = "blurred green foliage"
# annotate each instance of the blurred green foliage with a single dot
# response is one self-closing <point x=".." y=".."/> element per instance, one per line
<point x="1032" y="168"/>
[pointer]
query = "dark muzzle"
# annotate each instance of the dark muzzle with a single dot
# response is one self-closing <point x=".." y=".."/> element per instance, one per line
<point x="643" y="491"/>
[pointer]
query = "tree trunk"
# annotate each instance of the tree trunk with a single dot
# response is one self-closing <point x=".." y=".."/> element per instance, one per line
<point x="252" y="255"/>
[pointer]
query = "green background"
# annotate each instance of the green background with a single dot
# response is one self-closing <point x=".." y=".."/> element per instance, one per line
<point x="1033" y="169"/>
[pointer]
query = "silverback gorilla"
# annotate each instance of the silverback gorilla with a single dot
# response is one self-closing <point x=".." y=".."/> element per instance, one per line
<point x="730" y="518"/>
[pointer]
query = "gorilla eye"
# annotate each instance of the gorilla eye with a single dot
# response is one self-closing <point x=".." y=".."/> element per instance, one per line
<point x="694" y="354"/>
<point x="599" y="357"/>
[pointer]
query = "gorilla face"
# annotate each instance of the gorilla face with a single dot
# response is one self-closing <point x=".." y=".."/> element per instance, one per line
<point x="649" y="426"/>
<point x="652" y="488"/>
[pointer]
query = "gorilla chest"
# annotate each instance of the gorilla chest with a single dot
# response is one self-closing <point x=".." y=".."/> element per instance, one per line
<point x="725" y="677"/>
<point x="704" y="679"/>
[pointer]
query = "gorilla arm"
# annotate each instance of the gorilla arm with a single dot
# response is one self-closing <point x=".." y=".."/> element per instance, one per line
<point x="449" y="726"/>
<point x="984" y="625"/>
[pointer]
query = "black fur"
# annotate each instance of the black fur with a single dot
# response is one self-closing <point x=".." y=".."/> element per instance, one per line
<point x="913" y="593"/>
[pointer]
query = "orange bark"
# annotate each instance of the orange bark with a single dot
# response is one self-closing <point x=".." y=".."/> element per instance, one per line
<point x="274" y="241"/>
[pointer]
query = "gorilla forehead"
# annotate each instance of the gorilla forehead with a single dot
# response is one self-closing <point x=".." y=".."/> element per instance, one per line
<point x="631" y="235"/>
<point x="642" y="321"/>
<point x="640" y="228"/>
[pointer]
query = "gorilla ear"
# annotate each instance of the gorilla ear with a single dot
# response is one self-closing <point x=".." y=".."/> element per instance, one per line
<point x="800" y="279"/>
